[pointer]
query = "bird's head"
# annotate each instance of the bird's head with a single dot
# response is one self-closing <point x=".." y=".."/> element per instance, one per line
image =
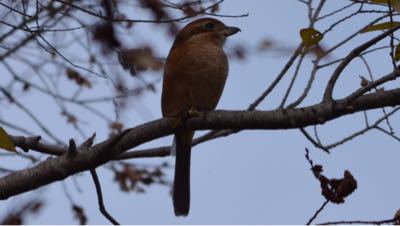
<point x="205" y="30"/>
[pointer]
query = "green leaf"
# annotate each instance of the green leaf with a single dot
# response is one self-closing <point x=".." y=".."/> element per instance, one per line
<point x="5" y="141"/>
<point x="395" y="3"/>
<point x="380" y="1"/>
<point x="310" y="36"/>
<point x="397" y="53"/>
<point x="380" y="27"/>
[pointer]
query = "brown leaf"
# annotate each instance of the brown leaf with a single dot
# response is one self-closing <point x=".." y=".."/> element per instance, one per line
<point x="122" y="182"/>
<point x="26" y="86"/>
<point x="141" y="59"/>
<point x="215" y="8"/>
<point x="78" y="78"/>
<point x="240" y="52"/>
<point x="318" y="51"/>
<point x="157" y="172"/>
<point x="79" y="214"/>
<point x="17" y="216"/>
<point x="188" y="10"/>
<point x="336" y="190"/>
<point x="266" y="44"/>
<point x="104" y="33"/>
<point x="317" y="170"/>
<point x="156" y="7"/>
<point x="70" y="118"/>
<point x="364" y="82"/>
<point x="347" y="186"/>
<point x="117" y="126"/>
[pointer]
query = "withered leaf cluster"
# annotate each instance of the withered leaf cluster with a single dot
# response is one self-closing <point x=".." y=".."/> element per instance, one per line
<point x="137" y="60"/>
<point x="335" y="190"/>
<point x="133" y="178"/>
<point x="156" y="7"/>
<point x="115" y="128"/>
<point x="78" y="78"/>
<point x="18" y="215"/>
<point x="104" y="33"/>
<point x="70" y="117"/>
<point x="79" y="214"/>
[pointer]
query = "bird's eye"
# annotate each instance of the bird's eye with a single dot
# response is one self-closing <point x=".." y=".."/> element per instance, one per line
<point x="209" y="25"/>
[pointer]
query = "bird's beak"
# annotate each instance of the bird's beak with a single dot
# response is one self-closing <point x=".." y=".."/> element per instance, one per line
<point x="228" y="31"/>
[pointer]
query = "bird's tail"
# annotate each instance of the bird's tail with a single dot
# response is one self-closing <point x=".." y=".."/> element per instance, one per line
<point x="181" y="189"/>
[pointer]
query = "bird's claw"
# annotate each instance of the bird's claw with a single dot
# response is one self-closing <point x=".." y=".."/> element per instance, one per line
<point x="193" y="112"/>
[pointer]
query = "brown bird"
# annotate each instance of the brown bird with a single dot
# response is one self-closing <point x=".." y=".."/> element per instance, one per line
<point x="194" y="78"/>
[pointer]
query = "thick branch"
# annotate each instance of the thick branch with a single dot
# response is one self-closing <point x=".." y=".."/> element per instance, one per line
<point x="59" y="168"/>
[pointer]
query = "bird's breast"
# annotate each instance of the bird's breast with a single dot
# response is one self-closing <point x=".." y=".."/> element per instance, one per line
<point x="194" y="77"/>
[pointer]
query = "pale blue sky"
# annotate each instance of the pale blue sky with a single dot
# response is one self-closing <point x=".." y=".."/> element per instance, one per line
<point x="254" y="177"/>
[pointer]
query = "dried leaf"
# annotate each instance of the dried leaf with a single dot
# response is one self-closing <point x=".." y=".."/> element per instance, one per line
<point x="364" y="82"/>
<point x="116" y="126"/>
<point x="310" y="36"/>
<point x="17" y="216"/>
<point x="215" y="8"/>
<point x="78" y="78"/>
<point x="70" y="117"/>
<point x="318" y="51"/>
<point x="397" y="53"/>
<point x="188" y="10"/>
<point x="395" y="3"/>
<point x="5" y="141"/>
<point x="381" y="26"/>
<point x="347" y="186"/>
<point x="79" y="214"/>
<point x="336" y="190"/>
<point x="240" y="52"/>
<point x="26" y="86"/>
<point x="141" y="59"/>
<point x="380" y="1"/>
<point x="156" y="7"/>
<point x="266" y="44"/>
<point x="105" y="34"/>
<point x="317" y="170"/>
<point x="131" y="178"/>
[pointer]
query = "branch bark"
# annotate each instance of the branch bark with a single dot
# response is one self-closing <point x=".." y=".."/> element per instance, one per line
<point x="59" y="168"/>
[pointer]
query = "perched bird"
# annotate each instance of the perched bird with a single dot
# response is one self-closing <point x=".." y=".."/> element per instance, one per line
<point x="194" y="78"/>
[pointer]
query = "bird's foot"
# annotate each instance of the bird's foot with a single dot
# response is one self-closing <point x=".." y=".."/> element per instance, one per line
<point x="193" y="113"/>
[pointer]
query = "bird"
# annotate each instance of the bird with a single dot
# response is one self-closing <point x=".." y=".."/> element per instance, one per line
<point x="195" y="73"/>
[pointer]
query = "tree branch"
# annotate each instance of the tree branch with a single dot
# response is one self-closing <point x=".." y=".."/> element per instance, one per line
<point x="59" y="168"/>
<point x="353" y="54"/>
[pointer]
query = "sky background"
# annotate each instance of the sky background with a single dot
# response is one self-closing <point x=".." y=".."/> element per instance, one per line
<point x="253" y="177"/>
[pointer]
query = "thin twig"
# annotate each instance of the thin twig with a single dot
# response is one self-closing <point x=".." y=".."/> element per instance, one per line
<point x="317" y="212"/>
<point x="102" y="208"/>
